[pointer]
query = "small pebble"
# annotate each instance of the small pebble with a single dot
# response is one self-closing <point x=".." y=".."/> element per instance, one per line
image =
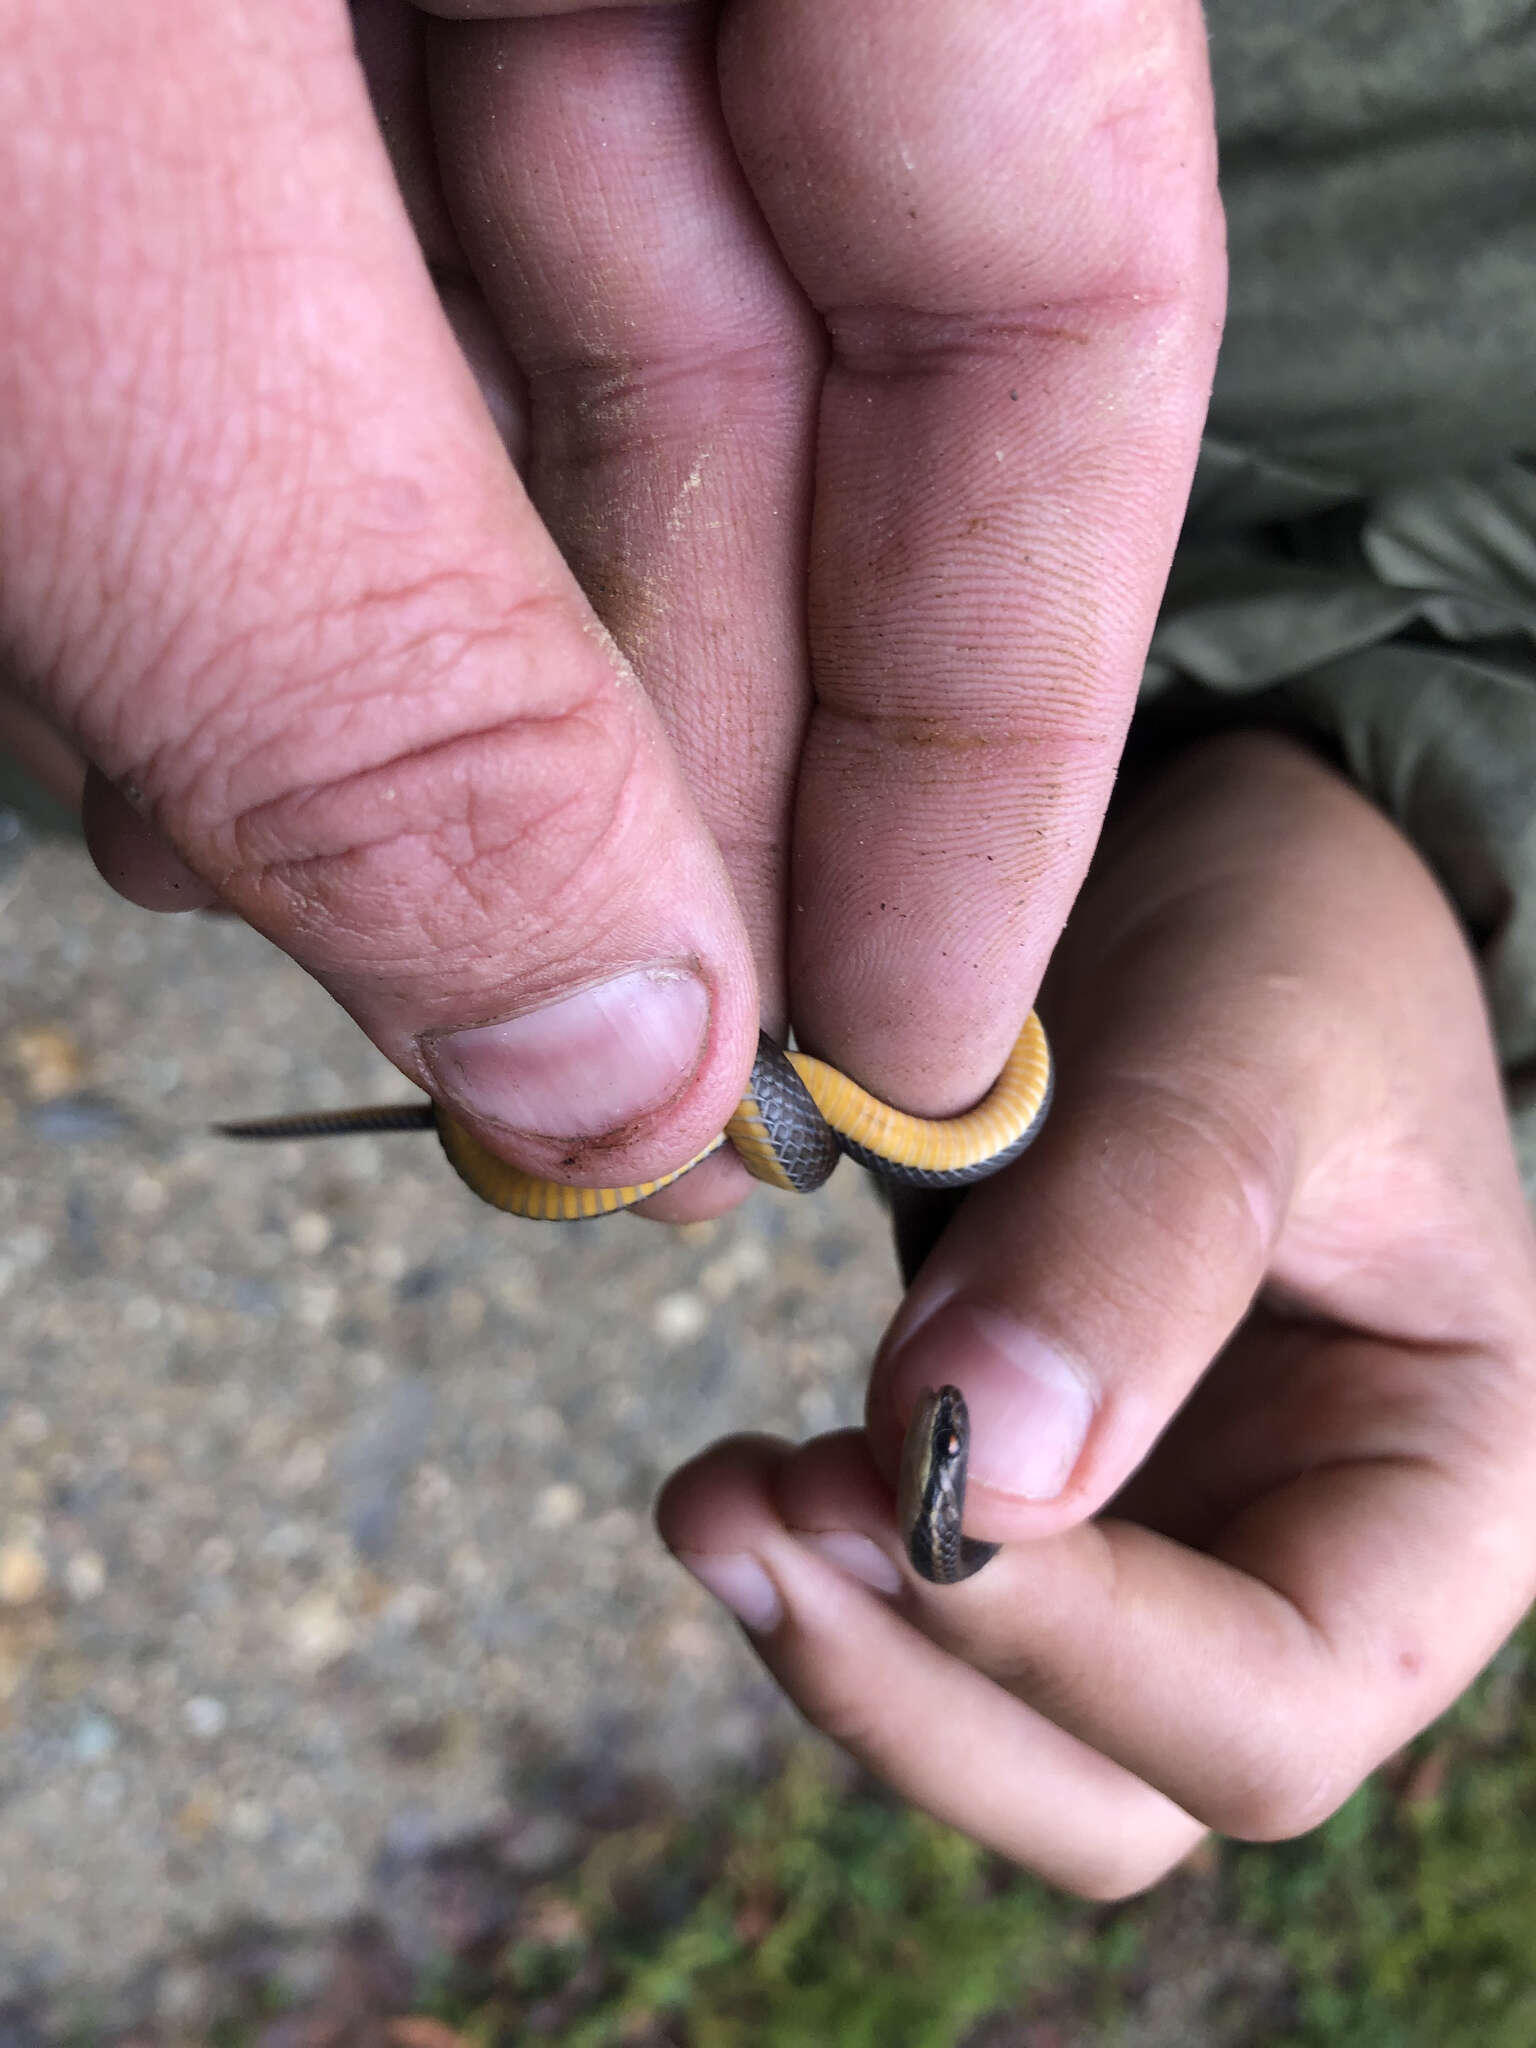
<point x="693" y="1641"/>
<point x="817" y="1410"/>
<point x="23" y="1574"/>
<point x="387" y="1261"/>
<point x="616" y="1529"/>
<point x="743" y="1265"/>
<point x="215" y="1556"/>
<point x="467" y="1567"/>
<point x="85" y="1575"/>
<point x="409" y="1606"/>
<point x="182" y="1997"/>
<point x="49" y="1060"/>
<point x="104" y="1792"/>
<point x="94" y="1739"/>
<point x="316" y="1305"/>
<point x="29" y="1246"/>
<point x="318" y="1632"/>
<point x="304" y="1466"/>
<point x="249" y="1821"/>
<point x="679" y="1318"/>
<point x="144" y="1196"/>
<point x="543" y="1426"/>
<point x="432" y="1487"/>
<point x="288" y="1540"/>
<point x="466" y="1312"/>
<point x="29" y="1426"/>
<point x="310" y="1233"/>
<point x="204" y="1718"/>
<point x="558" y="1506"/>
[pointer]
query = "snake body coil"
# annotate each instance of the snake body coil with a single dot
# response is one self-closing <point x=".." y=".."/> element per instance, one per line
<point x="790" y="1128"/>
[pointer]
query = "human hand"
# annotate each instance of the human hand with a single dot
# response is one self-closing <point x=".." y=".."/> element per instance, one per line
<point x="913" y="310"/>
<point x="1247" y="1342"/>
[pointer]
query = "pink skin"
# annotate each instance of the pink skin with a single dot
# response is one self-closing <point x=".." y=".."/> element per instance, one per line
<point x="856" y="365"/>
<point x="856" y="362"/>
<point x="1247" y="1339"/>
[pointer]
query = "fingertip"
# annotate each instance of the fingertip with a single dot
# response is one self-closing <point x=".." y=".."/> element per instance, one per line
<point x="722" y="1500"/>
<point x="749" y="1515"/>
<point x="715" y="1514"/>
<point x="132" y="858"/>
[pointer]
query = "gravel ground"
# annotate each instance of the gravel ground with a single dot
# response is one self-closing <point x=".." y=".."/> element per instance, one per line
<point x="324" y="1490"/>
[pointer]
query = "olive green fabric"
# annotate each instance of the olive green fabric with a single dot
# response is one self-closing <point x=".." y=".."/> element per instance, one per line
<point x="1359" y="558"/>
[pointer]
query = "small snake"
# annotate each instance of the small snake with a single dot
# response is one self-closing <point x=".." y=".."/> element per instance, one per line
<point x="790" y="1128"/>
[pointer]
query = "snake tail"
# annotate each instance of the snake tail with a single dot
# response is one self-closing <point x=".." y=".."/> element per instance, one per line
<point x="334" y="1123"/>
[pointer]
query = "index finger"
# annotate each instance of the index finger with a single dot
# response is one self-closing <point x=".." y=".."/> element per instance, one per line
<point x="1006" y="216"/>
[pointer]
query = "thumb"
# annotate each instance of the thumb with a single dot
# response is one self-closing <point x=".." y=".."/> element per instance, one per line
<point x="1205" y="1029"/>
<point x="263" y="558"/>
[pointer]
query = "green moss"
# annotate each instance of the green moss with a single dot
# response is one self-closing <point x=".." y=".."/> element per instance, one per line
<point x="1410" y="1917"/>
<point x="813" y="1910"/>
<point x="808" y="1914"/>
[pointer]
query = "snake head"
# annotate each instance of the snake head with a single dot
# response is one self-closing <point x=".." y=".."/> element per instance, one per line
<point x="930" y="1499"/>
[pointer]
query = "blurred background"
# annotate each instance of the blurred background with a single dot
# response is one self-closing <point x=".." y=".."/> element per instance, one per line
<point x="346" y="1693"/>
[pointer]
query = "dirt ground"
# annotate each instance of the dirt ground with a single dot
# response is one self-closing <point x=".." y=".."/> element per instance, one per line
<point x="324" y="1490"/>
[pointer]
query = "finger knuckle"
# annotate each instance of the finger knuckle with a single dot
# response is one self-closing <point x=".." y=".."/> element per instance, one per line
<point x="431" y="843"/>
<point x="404" y="802"/>
<point x="1205" y="1169"/>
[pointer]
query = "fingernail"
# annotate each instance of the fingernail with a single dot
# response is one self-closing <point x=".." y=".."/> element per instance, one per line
<point x="858" y="1556"/>
<point x="740" y="1583"/>
<point x="582" y="1067"/>
<point x="1030" y="1407"/>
